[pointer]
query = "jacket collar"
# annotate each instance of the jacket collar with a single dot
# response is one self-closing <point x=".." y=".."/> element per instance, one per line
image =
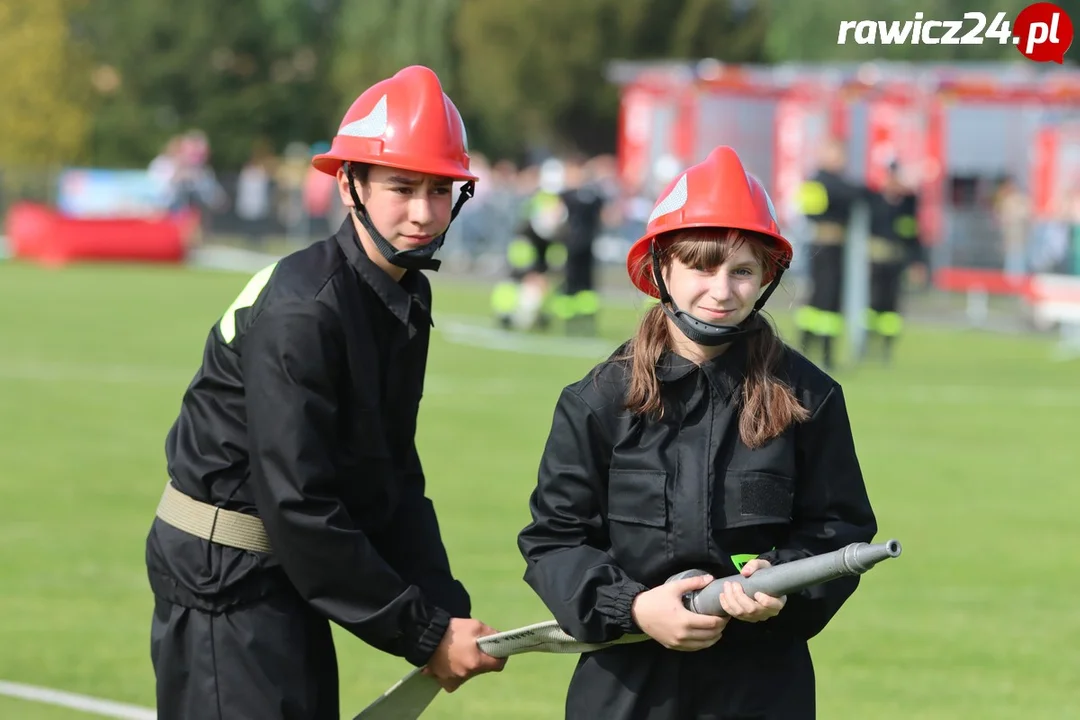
<point x="398" y="297"/>
<point x="725" y="372"/>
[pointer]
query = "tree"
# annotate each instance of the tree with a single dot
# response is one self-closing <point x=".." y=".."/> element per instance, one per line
<point x="45" y="119"/>
<point x="534" y="72"/>
<point x="243" y="72"/>
<point x="719" y="29"/>
<point x="376" y="38"/>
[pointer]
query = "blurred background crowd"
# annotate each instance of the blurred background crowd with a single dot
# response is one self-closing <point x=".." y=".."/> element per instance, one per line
<point x="578" y="115"/>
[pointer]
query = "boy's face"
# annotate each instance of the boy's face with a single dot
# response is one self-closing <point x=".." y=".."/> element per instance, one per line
<point x="408" y="208"/>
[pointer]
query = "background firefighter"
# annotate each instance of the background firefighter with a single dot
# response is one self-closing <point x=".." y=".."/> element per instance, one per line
<point x="894" y="247"/>
<point x="826" y="201"/>
<point x="578" y="301"/>
<point x="523" y="301"/>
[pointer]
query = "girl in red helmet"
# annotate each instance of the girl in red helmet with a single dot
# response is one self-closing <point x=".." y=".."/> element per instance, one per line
<point x="296" y="495"/>
<point x="704" y="442"/>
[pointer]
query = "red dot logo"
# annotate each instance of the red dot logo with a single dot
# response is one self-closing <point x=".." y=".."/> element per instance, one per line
<point x="1043" y="32"/>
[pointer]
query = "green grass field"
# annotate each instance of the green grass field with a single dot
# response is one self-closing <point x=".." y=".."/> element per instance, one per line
<point x="968" y="444"/>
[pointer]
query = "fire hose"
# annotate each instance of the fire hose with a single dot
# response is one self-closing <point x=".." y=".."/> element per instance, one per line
<point x="411" y="695"/>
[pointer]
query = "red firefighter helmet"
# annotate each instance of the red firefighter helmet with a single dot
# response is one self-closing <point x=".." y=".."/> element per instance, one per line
<point x="715" y="193"/>
<point x="406" y="122"/>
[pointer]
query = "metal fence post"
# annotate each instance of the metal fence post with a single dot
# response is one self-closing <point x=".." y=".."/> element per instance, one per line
<point x="856" y="282"/>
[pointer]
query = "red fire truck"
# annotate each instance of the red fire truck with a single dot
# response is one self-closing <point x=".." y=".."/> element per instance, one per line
<point x="956" y="130"/>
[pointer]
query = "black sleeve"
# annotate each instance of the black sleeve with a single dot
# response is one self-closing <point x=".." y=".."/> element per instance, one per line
<point x="831" y="510"/>
<point x="848" y="192"/>
<point x="862" y="193"/>
<point x="588" y="594"/>
<point x="913" y="246"/>
<point x="413" y="545"/>
<point x="292" y="366"/>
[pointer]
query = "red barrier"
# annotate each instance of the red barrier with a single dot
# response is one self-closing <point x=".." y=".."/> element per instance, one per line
<point x="37" y="232"/>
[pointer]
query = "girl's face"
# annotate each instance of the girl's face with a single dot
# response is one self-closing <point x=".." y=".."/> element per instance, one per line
<point x="722" y="294"/>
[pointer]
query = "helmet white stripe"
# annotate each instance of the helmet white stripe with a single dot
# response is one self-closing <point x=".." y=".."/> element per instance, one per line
<point x="371" y="125"/>
<point x="768" y="200"/>
<point x="772" y="209"/>
<point x="675" y="200"/>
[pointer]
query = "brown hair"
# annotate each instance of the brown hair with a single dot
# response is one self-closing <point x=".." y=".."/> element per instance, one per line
<point x="360" y="171"/>
<point x="768" y="405"/>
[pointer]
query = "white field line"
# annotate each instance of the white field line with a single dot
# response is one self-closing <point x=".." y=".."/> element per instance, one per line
<point x="173" y="377"/>
<point x="474" y="332"/>
<point x="980" y="395"/>
<point x="470" y="331"/>
<point x="972" y="395"/>
<point x="94" y="373"/>
<point x="82" y="703"/>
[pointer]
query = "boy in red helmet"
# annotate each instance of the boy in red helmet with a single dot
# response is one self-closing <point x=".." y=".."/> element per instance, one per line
<point x="704" y="442"/>
<point x="296" y="492"/>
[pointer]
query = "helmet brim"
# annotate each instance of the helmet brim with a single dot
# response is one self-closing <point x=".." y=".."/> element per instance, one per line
<point x="643" y="281"/>
<point x="330" y="163"/>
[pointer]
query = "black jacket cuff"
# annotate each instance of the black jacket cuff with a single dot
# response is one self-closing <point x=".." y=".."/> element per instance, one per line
<point x="616" y="601"/>
<point x="422" y="639"/>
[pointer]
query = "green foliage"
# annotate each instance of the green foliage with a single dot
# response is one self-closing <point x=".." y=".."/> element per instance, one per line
<point x="123" y="76"/>
<point x="714" y="29"/>
<point x="524" y="65"/>
<point x="535" y="70"/>
<point x="43" y="121"/>
<point x="373" y="39"/>
<point x="240" y="71"/>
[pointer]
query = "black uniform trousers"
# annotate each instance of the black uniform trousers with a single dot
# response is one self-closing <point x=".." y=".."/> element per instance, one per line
<point x="273" y="659"/>
<point x="579" y="303"/>
<point x="579" y="271"/>
<point x="886" y="284"/>
<point x="827" y="277"/>
<point x="729" y="681"/>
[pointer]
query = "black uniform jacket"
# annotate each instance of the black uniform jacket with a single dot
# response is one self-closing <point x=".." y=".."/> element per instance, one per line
<point x="623" y="502"/>
<point x="828" y="197"/>
<point x="304" y="413"/>
<point x="895" y="223"/>
<point x="584" y="208"/>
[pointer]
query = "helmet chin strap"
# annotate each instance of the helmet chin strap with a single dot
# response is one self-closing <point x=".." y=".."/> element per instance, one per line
<point x="417" y="258"/>
<point x="697" y="330"/>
